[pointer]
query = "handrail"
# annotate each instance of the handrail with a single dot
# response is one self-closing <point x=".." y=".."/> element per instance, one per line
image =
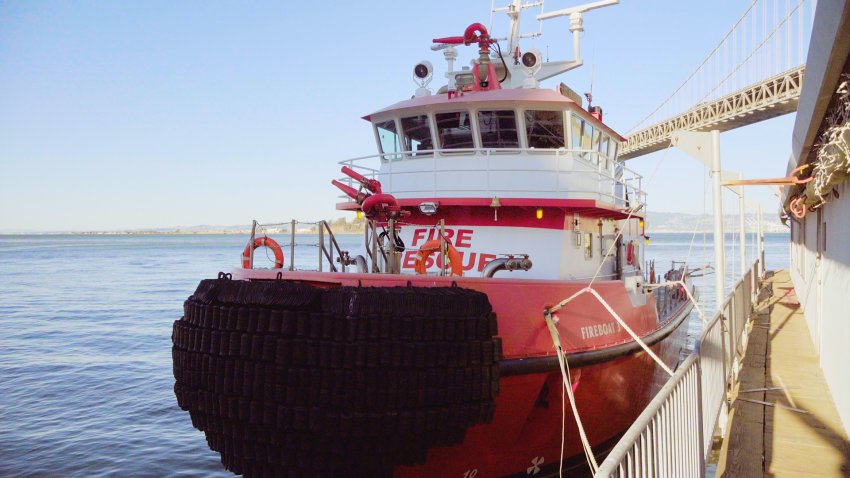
<point x="325" y="251"/>
<point x="672" y="436"/>
<point x="410" y="154"/>
<point x="324" y="226"/>
<point x="617" y="172"/>
<point x="371" y="243"/>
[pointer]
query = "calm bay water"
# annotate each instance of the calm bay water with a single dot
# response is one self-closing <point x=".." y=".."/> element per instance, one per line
<point x="85" y="347"/>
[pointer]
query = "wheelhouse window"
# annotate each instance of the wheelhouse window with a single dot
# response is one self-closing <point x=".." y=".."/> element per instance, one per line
<point x="388" y="140"/>
<point x="454" y="130"/>
<point x="416" y="133"/>
<point x="603" y="148"/>
<point x="586" y="136"/>
<point x="577" y="125"/>
<point x="594" y="145"/>
<point x="583" y="138"/>
<point x="498" y="129"/>
<point x="545" y="129"/>
<point x="603" y="145"/>
<point x="612" y="149"/>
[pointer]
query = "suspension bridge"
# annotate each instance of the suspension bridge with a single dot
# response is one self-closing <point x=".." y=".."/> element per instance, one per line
<point x="756" y="364"/>
<point x="754" y="73"/>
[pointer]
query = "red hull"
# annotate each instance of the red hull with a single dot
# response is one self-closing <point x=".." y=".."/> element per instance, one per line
<point x="527" y="423"/>
<point x="526" y="429"/>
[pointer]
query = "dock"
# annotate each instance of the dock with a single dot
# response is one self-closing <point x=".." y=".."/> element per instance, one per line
<point x="782" y="419"/>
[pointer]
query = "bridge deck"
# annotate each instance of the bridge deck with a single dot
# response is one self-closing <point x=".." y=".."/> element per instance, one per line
<point x="767" y="99"/>
<point x="801" y="434"/>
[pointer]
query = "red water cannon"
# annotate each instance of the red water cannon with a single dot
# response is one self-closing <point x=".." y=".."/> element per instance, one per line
<point x="375" y="204"/>
<point x="486" y="71"/>
<point x="358" y="196"/>
<point x="475" y="33"/>
<point x="372" y="185"/>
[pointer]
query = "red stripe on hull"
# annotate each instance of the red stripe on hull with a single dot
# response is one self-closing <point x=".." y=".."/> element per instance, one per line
<point x="486" y="216"/>
<point x="585" y="207"/>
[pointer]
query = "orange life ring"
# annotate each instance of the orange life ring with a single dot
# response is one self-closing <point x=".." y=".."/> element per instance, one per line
<point x="630" y="253"/>
<point x="260" y="242"/>
<point x="455" y="259"/>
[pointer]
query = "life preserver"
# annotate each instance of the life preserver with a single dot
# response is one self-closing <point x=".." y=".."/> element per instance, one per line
<point x="260" y="242"/>
<point x="455" y="260"/>
<point x="630" y="253"/>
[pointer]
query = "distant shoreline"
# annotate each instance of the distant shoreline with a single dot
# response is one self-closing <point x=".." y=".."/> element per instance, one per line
<point x="277" y="234"/>
<point x="168" y="233"/>
<point x="658" y="223"/>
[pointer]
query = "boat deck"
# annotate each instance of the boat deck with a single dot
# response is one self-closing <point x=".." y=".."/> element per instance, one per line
<point x="799" y="433"/>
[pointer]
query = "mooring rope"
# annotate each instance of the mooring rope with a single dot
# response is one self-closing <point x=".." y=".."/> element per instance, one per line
<point x="564" y="365"/>
<point x="623" y="324"/>
<point x="562" y="356"/>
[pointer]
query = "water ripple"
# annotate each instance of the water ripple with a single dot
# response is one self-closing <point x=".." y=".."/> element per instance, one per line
<point x="85" y="351"/>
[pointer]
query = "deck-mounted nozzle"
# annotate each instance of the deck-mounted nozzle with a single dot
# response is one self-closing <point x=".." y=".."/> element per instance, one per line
<point x="509" y="263"/>
<point x="349" y="191"/>
<point x="485" y="72"/>
<point x="372" y="185"/>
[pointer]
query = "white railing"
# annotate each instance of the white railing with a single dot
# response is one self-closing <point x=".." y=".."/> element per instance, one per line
<point x="603" y="178"/>
<point x="672" y="437"/>
<point x="326" y="243"/>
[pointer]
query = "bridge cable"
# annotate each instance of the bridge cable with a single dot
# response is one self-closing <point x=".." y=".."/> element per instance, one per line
<point x="698" y="68"/>
<point x="756" y="49"/>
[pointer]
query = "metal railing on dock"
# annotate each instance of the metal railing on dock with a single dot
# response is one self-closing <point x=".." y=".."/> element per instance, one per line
<point x="673" y="435"/>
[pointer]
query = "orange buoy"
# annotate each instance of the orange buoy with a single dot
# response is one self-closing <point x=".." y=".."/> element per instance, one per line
<point x="455" y="259"/>
<point x="261" y="242"/>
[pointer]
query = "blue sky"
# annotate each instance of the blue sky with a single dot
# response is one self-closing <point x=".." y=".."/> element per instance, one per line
<point x="117" y="115"/>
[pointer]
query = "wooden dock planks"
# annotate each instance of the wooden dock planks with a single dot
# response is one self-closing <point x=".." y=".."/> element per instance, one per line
<point x="776" y="441"/>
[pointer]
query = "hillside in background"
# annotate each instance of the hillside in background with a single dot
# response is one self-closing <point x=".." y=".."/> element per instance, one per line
<point x="679" y="222"/>
<point x="657" y="222"/>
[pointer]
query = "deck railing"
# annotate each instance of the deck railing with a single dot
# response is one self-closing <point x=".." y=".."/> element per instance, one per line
<point x="327" y="244"/>
<point x="673" y="435"/>
<point x="618" y="185"/>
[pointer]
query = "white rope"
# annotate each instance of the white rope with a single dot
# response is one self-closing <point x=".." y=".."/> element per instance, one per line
<point x="563" y="363"/>
<point x="568" y="388"/>
<point x="562" y="357"/>
<point x="564" y="431"/>
<point x="623" y="324"/>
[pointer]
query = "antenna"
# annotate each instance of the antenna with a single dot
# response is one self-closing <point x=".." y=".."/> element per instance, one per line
<point x="551" y="69"/>
<point x="589" y="95"/>
<point x="514" y="12"/>
<point x="579" y="9"/>
<point x="517" y="73"/>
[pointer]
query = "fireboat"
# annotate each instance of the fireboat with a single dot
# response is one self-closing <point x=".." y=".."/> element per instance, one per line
<point x="499" y="319"/>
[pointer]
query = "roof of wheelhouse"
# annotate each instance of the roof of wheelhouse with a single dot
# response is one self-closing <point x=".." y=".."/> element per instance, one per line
<point x="517" y="96"/>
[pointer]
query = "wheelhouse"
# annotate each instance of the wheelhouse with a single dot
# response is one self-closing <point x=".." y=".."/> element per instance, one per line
<point x="535" y="144"/>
